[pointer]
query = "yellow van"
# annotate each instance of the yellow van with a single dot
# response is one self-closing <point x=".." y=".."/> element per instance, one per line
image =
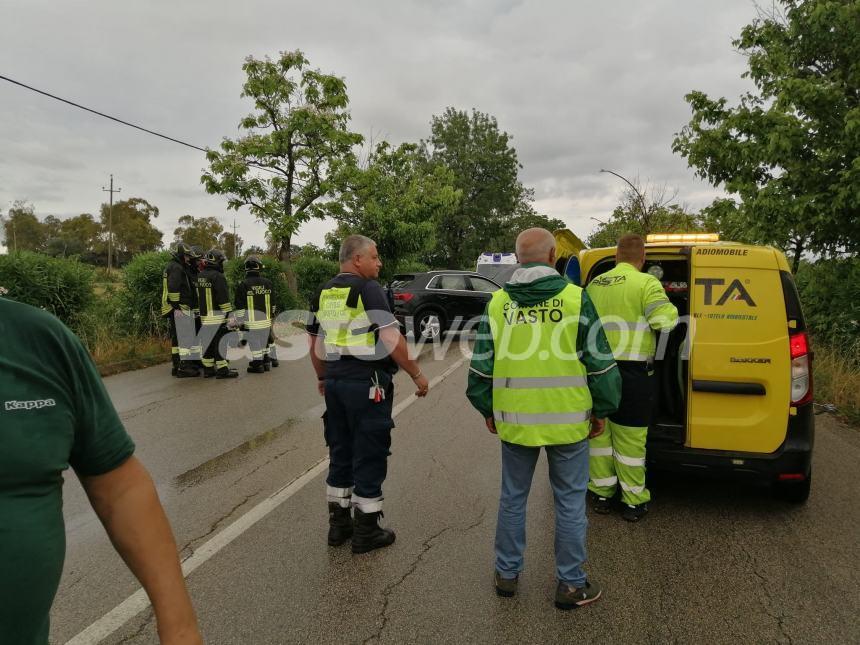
<point x="733" y="389"/>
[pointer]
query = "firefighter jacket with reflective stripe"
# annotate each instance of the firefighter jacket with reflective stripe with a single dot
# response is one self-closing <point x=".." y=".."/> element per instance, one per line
<point x="253" y="301"/>
<point x="177" y="289"/>
<point x="345" y="323"/>
<point x="540" y="388"/>
<point x="213" y="296"/>
<point x="632" y="305"/>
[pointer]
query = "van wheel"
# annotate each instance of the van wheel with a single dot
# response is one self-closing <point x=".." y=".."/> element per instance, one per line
<point x="794" y="492"/>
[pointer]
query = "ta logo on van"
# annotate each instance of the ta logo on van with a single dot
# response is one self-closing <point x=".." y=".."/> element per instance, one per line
<point x="735" y="291"/>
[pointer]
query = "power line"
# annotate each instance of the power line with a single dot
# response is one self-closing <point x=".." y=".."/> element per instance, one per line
<point x="102" y="114"/>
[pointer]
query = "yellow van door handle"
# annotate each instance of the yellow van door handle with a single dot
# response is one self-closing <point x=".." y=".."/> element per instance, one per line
<point x="729" y="387"/>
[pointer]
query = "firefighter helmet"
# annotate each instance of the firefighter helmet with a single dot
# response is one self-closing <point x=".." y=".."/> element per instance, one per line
<point x="216" y="258"/>
<point x="252" y="263"/>
<point x="181" y="249"/>
<point x="197" y="251"/>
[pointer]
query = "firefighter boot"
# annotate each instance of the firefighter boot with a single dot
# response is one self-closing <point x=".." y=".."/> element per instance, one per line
<point x="256" y="367"/>
<point x="339" y="524"/>
<point x="209" y="372"/>
<point x="175" y="359"/>
<point x="267" y="363"/>
<point x="226" y="372"/>
<point x="367" y="534"/>
<point x="186" y="369"/>
<point x="273" y="356"/>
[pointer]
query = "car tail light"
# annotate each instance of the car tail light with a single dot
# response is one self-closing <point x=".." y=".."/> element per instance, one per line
<point x="403" y="297"/>
<point x="791" y="477"/>
<point x="801" y="372"/>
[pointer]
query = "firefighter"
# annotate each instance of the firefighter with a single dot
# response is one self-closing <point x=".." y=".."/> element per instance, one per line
<point x="632" y="306"/>
<point x="178" y="300"/>
<point x="356" y="347"/>
<point x="197" y="264"/>
<point x="254" y="310"/>
<point x="214" y="302"/>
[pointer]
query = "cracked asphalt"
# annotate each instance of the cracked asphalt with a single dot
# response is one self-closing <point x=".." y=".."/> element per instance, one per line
<point x="713" y="562"/>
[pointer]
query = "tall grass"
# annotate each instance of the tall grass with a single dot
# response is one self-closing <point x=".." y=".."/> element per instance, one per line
<point x="836" y="379"/>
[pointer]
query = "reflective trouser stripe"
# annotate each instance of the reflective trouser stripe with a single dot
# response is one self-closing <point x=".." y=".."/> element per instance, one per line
<point x="174" y="349"/>
<point x="366" y="504"/>
<point x="538" y="382"/>
<point x="338" y="495"/>
<point x="208" y="362"/>
<point x="221" y="363"/>
<point x="541" y="418"/>
<point x="619" y="455"/>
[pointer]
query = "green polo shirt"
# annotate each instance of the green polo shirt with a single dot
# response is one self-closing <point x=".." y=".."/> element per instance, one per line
<point x="54" y="413"/>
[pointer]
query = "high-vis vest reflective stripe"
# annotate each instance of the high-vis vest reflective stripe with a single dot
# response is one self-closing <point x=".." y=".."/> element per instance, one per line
<point x="347" y="329"/>
<point x="540" y="388"/>
<point x="631" y="305"/>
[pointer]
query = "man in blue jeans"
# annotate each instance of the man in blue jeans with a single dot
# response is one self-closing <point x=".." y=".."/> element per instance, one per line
<point x="542" y="374"/>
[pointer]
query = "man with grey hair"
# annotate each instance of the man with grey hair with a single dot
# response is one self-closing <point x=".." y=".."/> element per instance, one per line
<point x="542" y="375"/>
<point x="356" y="348"/>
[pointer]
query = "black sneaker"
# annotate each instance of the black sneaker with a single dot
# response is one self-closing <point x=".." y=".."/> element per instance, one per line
<point x="635" y="513"/>
<point x="567" y="597"/>
<point x="506" y="587"/>
<point x="600" y="505"/>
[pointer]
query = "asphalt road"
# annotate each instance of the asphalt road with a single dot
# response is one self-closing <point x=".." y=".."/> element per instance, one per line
<point x="713" y="562"/>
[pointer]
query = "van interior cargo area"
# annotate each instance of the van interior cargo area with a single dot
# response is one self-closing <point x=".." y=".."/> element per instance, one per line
<point x="671" y="369"/>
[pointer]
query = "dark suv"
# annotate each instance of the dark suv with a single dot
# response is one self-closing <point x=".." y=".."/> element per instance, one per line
<point x="430" y="303"/>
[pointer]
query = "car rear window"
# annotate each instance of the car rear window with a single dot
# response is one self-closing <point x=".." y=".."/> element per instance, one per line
<point x="401" y="281"/>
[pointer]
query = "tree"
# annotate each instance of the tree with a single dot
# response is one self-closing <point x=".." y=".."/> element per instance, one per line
<point x="485" y="169"/>
<point x="200" y="231"/>
<point x="81" y="231"/>
<point x="23" y="230"/>
<point x="789" y="151"/>
<point x="231" y="244"/>
<point x="396" y="199"/>
<point x="644" y="210"/>
<point x="133" y="232"/>
<point x="280" y="168"/>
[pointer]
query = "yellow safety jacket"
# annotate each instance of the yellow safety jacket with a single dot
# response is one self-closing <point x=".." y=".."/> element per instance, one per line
<point x="632" y="305"/>
<point x="347" y="327"/>
<point x="540" y="388"/>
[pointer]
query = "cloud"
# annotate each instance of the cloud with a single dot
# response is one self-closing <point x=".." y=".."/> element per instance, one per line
<point x="579" y="86"/>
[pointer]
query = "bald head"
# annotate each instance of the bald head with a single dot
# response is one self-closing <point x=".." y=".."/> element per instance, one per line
<point x="536" y="245"/>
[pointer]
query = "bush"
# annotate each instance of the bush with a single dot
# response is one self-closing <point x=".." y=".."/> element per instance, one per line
<point x="139" y="301"/>
<point x="830" y="295"/>
<point x="275" y="271"/>
<point x="312" y="272"/>
<point x="62" y="286"/>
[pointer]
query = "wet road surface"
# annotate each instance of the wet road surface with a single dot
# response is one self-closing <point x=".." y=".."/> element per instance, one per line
<point x="713" y="562"/>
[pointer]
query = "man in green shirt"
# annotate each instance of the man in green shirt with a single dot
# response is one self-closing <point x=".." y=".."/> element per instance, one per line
<point x="55" y="413"/>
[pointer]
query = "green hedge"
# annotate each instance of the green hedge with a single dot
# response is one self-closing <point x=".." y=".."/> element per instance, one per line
<point x="139" y="301"/>
<point x="312" y="272"/>
<point x="830" y="295"/>
<point x="62" y="286"/>
<point x="275" y="271"/>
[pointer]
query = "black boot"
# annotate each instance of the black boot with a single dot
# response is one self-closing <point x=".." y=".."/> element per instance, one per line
<point x="256" y="367"/>
<point x="267" y="364"/>
<point x="339" y="524"/>
<point x="175" y="359"/>
<point x="273" y="357"/>
<point x="226" y="372"/>
<point x="208" y="372"/>
<point x="186" y="369"/>
<point x="367" y="534"/>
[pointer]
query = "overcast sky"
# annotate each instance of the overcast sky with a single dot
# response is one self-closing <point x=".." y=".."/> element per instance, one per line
<point x="579" y="85"/>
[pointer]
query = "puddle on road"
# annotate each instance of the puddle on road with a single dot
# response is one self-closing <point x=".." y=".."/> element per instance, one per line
<point x="227" y="460"/>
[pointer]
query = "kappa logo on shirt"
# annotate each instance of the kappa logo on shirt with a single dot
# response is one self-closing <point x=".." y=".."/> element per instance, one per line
<point x="30" y="405"/>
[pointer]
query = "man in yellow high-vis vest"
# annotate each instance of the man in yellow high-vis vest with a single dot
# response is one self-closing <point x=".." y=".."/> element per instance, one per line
<point x="633" y="306"/>
<point x="356" y="349"/>
<point x="542" y="375"/>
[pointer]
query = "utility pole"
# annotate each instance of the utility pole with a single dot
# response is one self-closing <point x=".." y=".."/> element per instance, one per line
<point x="235" y="240"/>
<point x="110" y="220"/>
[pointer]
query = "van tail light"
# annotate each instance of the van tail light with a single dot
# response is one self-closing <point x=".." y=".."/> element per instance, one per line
<point x="801" y="369"/>
<point x="403" y="297"/>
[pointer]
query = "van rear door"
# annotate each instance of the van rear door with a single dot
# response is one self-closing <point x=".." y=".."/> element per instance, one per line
<point x="740" y="368"/>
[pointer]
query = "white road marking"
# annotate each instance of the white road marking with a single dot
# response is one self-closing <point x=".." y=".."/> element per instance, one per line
<point x="138" y="601"/>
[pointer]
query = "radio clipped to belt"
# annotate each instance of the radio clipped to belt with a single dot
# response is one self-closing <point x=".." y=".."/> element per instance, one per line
<point x="377" y="392"/>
